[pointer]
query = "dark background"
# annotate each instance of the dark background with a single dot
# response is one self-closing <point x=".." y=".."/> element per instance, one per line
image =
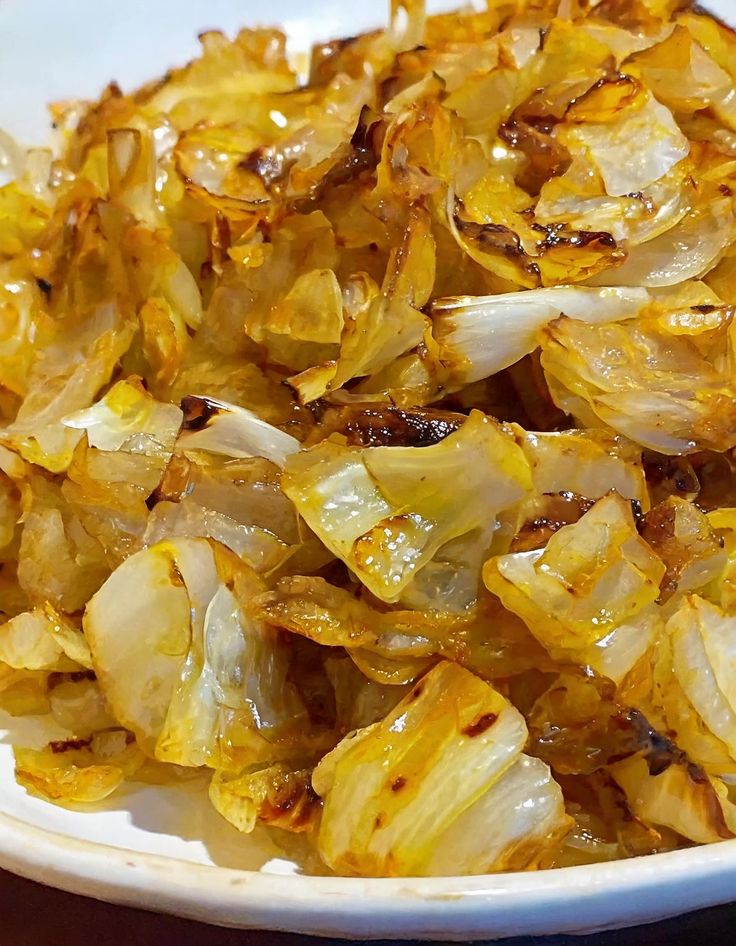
<point x="32" y="915"/>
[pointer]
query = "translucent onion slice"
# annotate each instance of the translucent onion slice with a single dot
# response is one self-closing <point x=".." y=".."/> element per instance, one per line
<point x="686" y="251"/>
<point x="393" y="792"/>
<point x="479" y="336"/>
<point x="139" y="629"/>
<point x="217" y="427"/>
<point x="694" y="670"/>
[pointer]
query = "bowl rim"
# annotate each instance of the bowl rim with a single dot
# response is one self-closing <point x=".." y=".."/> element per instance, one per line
<point x="567" y="899"/>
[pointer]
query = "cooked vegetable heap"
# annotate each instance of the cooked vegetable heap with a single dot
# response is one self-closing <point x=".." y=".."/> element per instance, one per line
<point x="368" y="439"/>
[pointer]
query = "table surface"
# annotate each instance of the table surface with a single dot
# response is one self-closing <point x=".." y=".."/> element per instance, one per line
<point x="33" y="915"/>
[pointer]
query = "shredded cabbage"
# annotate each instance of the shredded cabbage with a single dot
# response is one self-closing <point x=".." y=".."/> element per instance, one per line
<point x="592" y="577"/>
<point x="368" y="439"/>
<point x="388" y="511"/>
<point x="663" y="383"/>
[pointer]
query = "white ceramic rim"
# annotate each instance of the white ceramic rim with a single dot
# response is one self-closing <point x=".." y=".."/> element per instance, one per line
<point x="564" y="900"/>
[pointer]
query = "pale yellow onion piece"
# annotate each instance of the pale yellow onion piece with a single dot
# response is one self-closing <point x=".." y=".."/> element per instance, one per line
<point x="518" y="824"/>
<point x="311" y="311"/>
<point x="18" y="302"/>
<point x="723" y="590"/>
<point x="577" y="199"/>
<point x="686" y="295"/>
<point x="275" y="795"/>
<point x="189" y="732"/>
<point x="682" y="536"/>
<point x="389" y="671"/>
<point x="322" y="612"/>
<point x="210" y="679"/>
<point x="359" y="702"/>
<point x="653" y="386"/>
<point x="386" y="511"/>
<point x="676" y="798"/>
<point x="128" y="411"/>
<point x="258" y="548"/>
<point x="58" y="563"/>
<point x="79" y="775"/>
<point x="480" y="335"/>
<point x="616" y="654"/>
<point x="69" y="637"/>
<point x="12" y="158"/>
<point x="688" y="250"/>
<point x="220" y="96"/>
<point x="685" y="78"/>
<point x="695" y="672"/>
<point x="589" y="463"/>
<point x="189" y="735"/>
<point x="235" y="678"/>
<point x="138" y="626"/>
<point x="718" y="634"/>
<point x="395" y="790"/>
<point x="131" y="172"/>
<point x="226" y="429"/>
<point x="625" y="170"/>
<point x="593" y="576"/>
<point x="79" y="706"/>
<point x="77" y="369"/>
<point x="26" y="643"/>
<point x="379" y="325"/>
<point x="450" y="581"/>
<point x="12" y="465"/>
<point x="45" y="774"/>
<point x="24" y="692"/>
<point x="681" y="718"/>
<point x="620" y="41"/>
<point x="324" y="774"/>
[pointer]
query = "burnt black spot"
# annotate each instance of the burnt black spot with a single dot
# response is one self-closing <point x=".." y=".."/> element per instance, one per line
<point x="69" y="745"/>
<point x="636" y="511"/>
<point x="76" y="676"/>
<point x="492" y="236"/>
<point x="198" y="412"/>
<point x="705" y="309"/>
<point x="660" y="752"/>
<point x="480" y="725"/>
<point x="557" y="510"/>
<point x="392" y="426"/>
<point x="417" y="691"/>
<point x="580" y="239"/>
<point x="646" y="201"/>
<point x="45" y="286"/>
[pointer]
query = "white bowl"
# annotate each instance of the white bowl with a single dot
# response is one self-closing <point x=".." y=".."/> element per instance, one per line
<point x="165" y="848"/>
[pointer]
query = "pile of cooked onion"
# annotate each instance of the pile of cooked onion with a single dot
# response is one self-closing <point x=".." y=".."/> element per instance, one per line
<point x="368" y="438"/>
